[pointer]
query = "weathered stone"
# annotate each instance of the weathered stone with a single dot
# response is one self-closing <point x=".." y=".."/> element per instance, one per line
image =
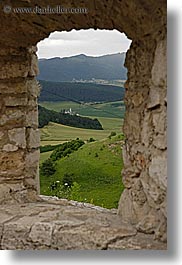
<point x="8" y="191"/>
<point x="1" y="134"/>
<point x="154" y="97"/>
<point x="32" y="118"/>
<point x="137" y="99"/>
<point x="15" y="236"/>
<point x="34" y="70"/>
<point x="17" y="136"/>
<point x="155" y="193"/>
<point x="146" y="133"/>
<point x="158" y="170"/>
<point x="41" y="233"/>
<point x="132" y="121"/>
<point x="159" y="121"/>
<point x="30" y="180"/>
<point x="138" y="194"/>
<point x="139" y="242"/>
<point x="10" y="148"/>
<point x="32" y="159"/>
<point x="33" y="138"/>
<point x="13" y="69"/>
<point x="160" y="141"/>
<point x="49" y="225"/>
<point x="15" y="101"/>
<point x="127" y="212"/>
<point x="33" y="87"/>
<point x="159" y="70"/>
<point x="144" y="126"/>
<point x="161" y="231"/>
<point x="13" y="116"/>
<point x="11" y="163"/>
<point x="18" y="87"/>
<point x="149" y="223"/>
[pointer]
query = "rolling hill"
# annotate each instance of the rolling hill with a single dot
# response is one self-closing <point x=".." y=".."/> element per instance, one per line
<point x="107" y="67"/>
<point x="84" y="92"/>
<point x="95" y="167"/>
<point x="46" y="116"/>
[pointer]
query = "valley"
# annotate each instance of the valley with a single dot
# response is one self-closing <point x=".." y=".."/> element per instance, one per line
<point x="96" y="167"/>
<point x="91" y="173"/>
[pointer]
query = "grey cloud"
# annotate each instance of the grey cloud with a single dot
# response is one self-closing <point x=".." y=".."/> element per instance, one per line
<point x="90" y="42"/>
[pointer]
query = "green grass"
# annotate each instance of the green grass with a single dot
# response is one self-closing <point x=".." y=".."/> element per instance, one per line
<point x="44" y="156"/>
<point x="98" y="175"/>
<point x="110" y="109"/>
<point x="58" y="106"/>
<point x="47" y="142"/>
<point x="57" y="133"/>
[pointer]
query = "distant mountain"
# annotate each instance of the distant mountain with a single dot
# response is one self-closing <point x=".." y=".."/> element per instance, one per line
<point x="84" y="92"/>
<point x="107" y="67"/>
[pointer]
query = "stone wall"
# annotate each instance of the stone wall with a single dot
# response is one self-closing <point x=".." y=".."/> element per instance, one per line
<point x="19" y="145"/>
<point x="143" y="202"/>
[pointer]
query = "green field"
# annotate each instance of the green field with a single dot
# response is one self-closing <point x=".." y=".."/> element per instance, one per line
<point x="96" y="167"/>
<point x="56" y="133"/>
<point x="99" y="176"/>
<point x="109" y="109"/>
<point x="44" y="156"/>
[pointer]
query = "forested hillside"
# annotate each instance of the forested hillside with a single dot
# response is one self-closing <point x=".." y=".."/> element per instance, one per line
<point x="107" y="67"/>
<point x="46" y="116"/>
<point x="84" y="92"/>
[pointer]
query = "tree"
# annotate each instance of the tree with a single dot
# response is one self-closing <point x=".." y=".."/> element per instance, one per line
<point x="47" y="168"/>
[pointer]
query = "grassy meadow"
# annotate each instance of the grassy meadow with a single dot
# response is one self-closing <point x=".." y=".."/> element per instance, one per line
<point x="96" y="167"/>
<point x="108" y="109"/>
<point x="56" y="133"/>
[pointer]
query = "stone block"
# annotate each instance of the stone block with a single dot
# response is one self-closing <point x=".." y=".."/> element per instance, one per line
<point x="32" y="159"/>
<point x="125" y="208"/>
<point x="41" y="233"/>
<point x="33" y="138"/>
<point x="158" y="169"/>
<point x="160" y="141"/>
<point x="32" y="118"/>
<point x="159" y="121"/>
<point x="15" y="236"/>
<point x="146" y="132"/>
<point x="137" y="99"/>
<point x="10" y="148"/>
<point x="155" y="194"/>
<point x="18" y="137"/>
<point x="16" y="87"/>
<point x="159" y="69"/>
<point x="154" y="97"/>
<point x="15" y="101"/>
<point x="149" y="223"/>
<point x="12" y="69"/>
<point x="34" y="70"/>
<point x="11" y="162"/>
<point x="13" y="116"/>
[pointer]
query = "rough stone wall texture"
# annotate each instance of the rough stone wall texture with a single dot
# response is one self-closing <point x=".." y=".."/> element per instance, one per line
<point x="145" y="173"/>
<point x="68" y="225"/>
<point x="143" y="202"/>
<point x="19" y="142"/>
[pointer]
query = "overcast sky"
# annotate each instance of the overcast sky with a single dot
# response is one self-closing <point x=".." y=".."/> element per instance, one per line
<point x="89" y="42"/>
